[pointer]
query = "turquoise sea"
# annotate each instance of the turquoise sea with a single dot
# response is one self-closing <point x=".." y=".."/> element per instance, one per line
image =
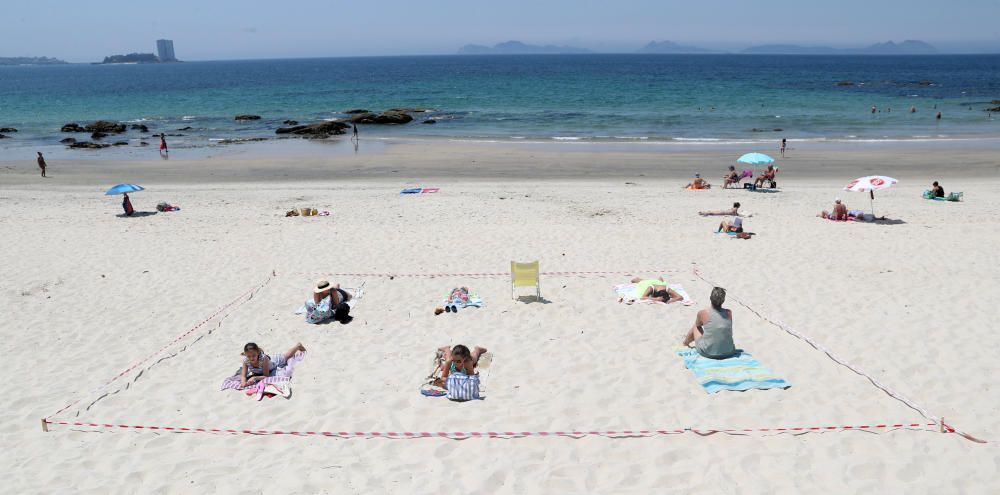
<point x="615" y="98"/>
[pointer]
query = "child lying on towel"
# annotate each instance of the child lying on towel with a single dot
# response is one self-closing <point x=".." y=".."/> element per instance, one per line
<point x="257" y="365"/>
<point x="457" y="359"/>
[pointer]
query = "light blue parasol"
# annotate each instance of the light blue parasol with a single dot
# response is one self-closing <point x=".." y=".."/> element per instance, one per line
<point x="755" y="159"/>
<point x="124" y="188"/>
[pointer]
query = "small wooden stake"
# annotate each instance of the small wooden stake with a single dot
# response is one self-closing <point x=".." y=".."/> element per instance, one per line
<point x="45" y="425"/>
<point x="942" y="424"/>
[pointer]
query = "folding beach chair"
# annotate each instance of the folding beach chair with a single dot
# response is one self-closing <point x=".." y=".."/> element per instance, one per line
<point x="525" y="275"/>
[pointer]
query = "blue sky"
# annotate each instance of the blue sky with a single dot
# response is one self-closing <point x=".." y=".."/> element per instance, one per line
<point x="227" y="29"/>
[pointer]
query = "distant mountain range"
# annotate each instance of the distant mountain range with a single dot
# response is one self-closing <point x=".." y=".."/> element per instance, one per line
<point x="30" y="61"/>
<point x="908" y="47"/>
<point x="671" y="47"/>
<point x="518" y="48"/>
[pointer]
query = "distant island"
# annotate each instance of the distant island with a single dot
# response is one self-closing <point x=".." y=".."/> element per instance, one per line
<point x="132" y="58"/>
<point x="518" y="48"/>
<point x="671" y="47"/>
<point x="908" y="47"/>
<point x="31" y="61"/>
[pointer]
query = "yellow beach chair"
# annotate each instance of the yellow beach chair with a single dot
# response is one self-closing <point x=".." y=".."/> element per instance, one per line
<point x="525" y="275"/>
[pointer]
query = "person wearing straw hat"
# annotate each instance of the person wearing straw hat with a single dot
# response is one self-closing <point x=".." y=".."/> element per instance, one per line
<point x="328" y="301"/>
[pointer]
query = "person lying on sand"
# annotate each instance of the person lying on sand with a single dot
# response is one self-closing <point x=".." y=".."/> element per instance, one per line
<point x="458" y="359"/>
<point x="736" y="225"/>
<point x="839" y="211"/>
<point x="860" y="216"/>
<point x="257" y="365"/>
<point x="731" y="212"/>
<point x="712" y="332"/>
<point x="656" y="290"/>
<point x="698" y="183"/>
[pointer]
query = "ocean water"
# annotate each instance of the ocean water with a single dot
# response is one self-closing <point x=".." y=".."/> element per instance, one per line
<point x="616" y="98"/>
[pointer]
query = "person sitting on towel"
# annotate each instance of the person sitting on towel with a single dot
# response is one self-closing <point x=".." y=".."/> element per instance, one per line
<point x="712" y="332"/>
<point x="736" y="225"/>
<point x="257" y="365"/>
<point x="731" y="212"/>
<point x="328" y="301"/>
<point x="839" y="211"/>
<point x="937" y="190"/>
<point x="127" y="205"/>
<point x="698" y="183"/>
<point x="658" y="292"/>
<point x="458" y="359"/>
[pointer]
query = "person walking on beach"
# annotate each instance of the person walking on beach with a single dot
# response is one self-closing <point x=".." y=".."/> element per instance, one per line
<point x="874" y="109"/>
<point x="938" y="116"/>
<point x="784" y="142"/>
<point x="163" y="143"/>
<point x="355" y="126"/>
<point x="41" y="163"/>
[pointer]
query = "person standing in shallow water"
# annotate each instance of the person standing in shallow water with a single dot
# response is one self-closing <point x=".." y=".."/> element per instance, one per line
<point x="163" y="143"/>
<point x="355" y="126"/>
<point x="784" y="142"/>
<point x="41" y="163"/>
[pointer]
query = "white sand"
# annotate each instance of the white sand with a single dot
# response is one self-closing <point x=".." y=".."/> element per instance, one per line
<point x="87" y="294"/>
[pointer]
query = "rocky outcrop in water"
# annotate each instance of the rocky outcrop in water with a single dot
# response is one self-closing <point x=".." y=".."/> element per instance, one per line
<point x="247" y="117"/>
<point x="356" y="110"/>
<point x="845" y="83"/>
<point x="410" y="110"/>
<point x="384" y="118"/>
<point x="291" y="122"/>
<point x="88" y="145"/>
<point x="67" y="141"/>
<point x="188" y="128"/>
<point x="105" y="127"/>
<point x="72" y="127"/>
<point x="120" y="143"/>
<point x="2" y="136"/>
<point x="7" y="129"/>
<point x="98" y="135"/>
<point x="317" y="130"/>
<point x="140" y="127"/>
<point x="429" y="121"/>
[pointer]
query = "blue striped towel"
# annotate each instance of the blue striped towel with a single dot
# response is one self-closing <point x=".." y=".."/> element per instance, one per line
<point x="741" y="372"/>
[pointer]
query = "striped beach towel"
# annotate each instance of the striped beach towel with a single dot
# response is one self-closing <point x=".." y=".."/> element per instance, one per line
<point x="282" y="374"/>
<point x="741" y="372"/>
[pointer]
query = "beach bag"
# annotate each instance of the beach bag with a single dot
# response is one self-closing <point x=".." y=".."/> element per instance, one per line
<point x="928" y="194"/>
<point x="462" y="387"/>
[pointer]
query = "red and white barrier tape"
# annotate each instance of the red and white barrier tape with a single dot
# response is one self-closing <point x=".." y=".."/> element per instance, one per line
<point x="248" y="293"/>
<point x="484" y="274"/>
<point x="461" y="435"/>
<point x="891" y="393"/>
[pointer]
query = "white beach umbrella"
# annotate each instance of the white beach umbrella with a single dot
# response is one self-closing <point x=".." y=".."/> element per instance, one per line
<point x="870" y="184"/>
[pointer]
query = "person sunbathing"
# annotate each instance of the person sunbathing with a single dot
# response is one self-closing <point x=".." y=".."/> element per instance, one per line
<point x="731" y="212"/>
<point x="731" y="177"/>
<point x="655" y="290"/>
<point x="712" y="332"/>
<point x="328" y="301"/>
<point x="458" y="359"/>
<point x="768" y="175"/>
<point x="698" y="183"/>
<point x="736" y="225"/>
<point x="257" y="365"/>
<point x="839" y="212"/>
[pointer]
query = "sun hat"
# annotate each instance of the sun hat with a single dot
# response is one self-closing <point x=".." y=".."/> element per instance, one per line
<point x="322" y="286"/>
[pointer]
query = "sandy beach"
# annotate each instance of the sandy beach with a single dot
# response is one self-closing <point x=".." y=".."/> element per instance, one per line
<point x="88" y="294"/>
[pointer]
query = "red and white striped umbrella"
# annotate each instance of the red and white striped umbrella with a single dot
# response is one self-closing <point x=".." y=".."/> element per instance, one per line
<point x="871" y="184"/>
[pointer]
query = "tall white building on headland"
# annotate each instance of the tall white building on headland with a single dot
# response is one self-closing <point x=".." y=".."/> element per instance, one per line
<point x="165" y="50"/>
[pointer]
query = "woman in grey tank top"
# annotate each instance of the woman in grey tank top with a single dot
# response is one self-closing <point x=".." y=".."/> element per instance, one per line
<point x="712" y="333"/>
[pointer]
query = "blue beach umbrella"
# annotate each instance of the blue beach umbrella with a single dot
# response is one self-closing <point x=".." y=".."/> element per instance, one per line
<point x="124" y="188"/>
<point x="755" y="159"/>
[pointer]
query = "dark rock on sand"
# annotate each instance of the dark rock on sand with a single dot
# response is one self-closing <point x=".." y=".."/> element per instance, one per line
<point x="143" y="143"/>
<point x="7" y="129"/>
<point x="845" y="83"/>
<point x="120" y="143"/>
<point x="242" y="140"/>
<point x="385" y="118"/>
<point x="2" y="136"/>
<point x="68" y="141"/>
<point x="105" y="126"/>
<point x="357" y="110"/>
<point x="98" y="135"/>
<point x="88" y="145"/>
<point x="409" y="110"/>
<point x="72" y="127"/>
<point x="140" y="127"/>
<point x="319" y="129"/>
<point x="291" y="122"/>
<point x="248" y="117"/>
<point x="430" y="121"/>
